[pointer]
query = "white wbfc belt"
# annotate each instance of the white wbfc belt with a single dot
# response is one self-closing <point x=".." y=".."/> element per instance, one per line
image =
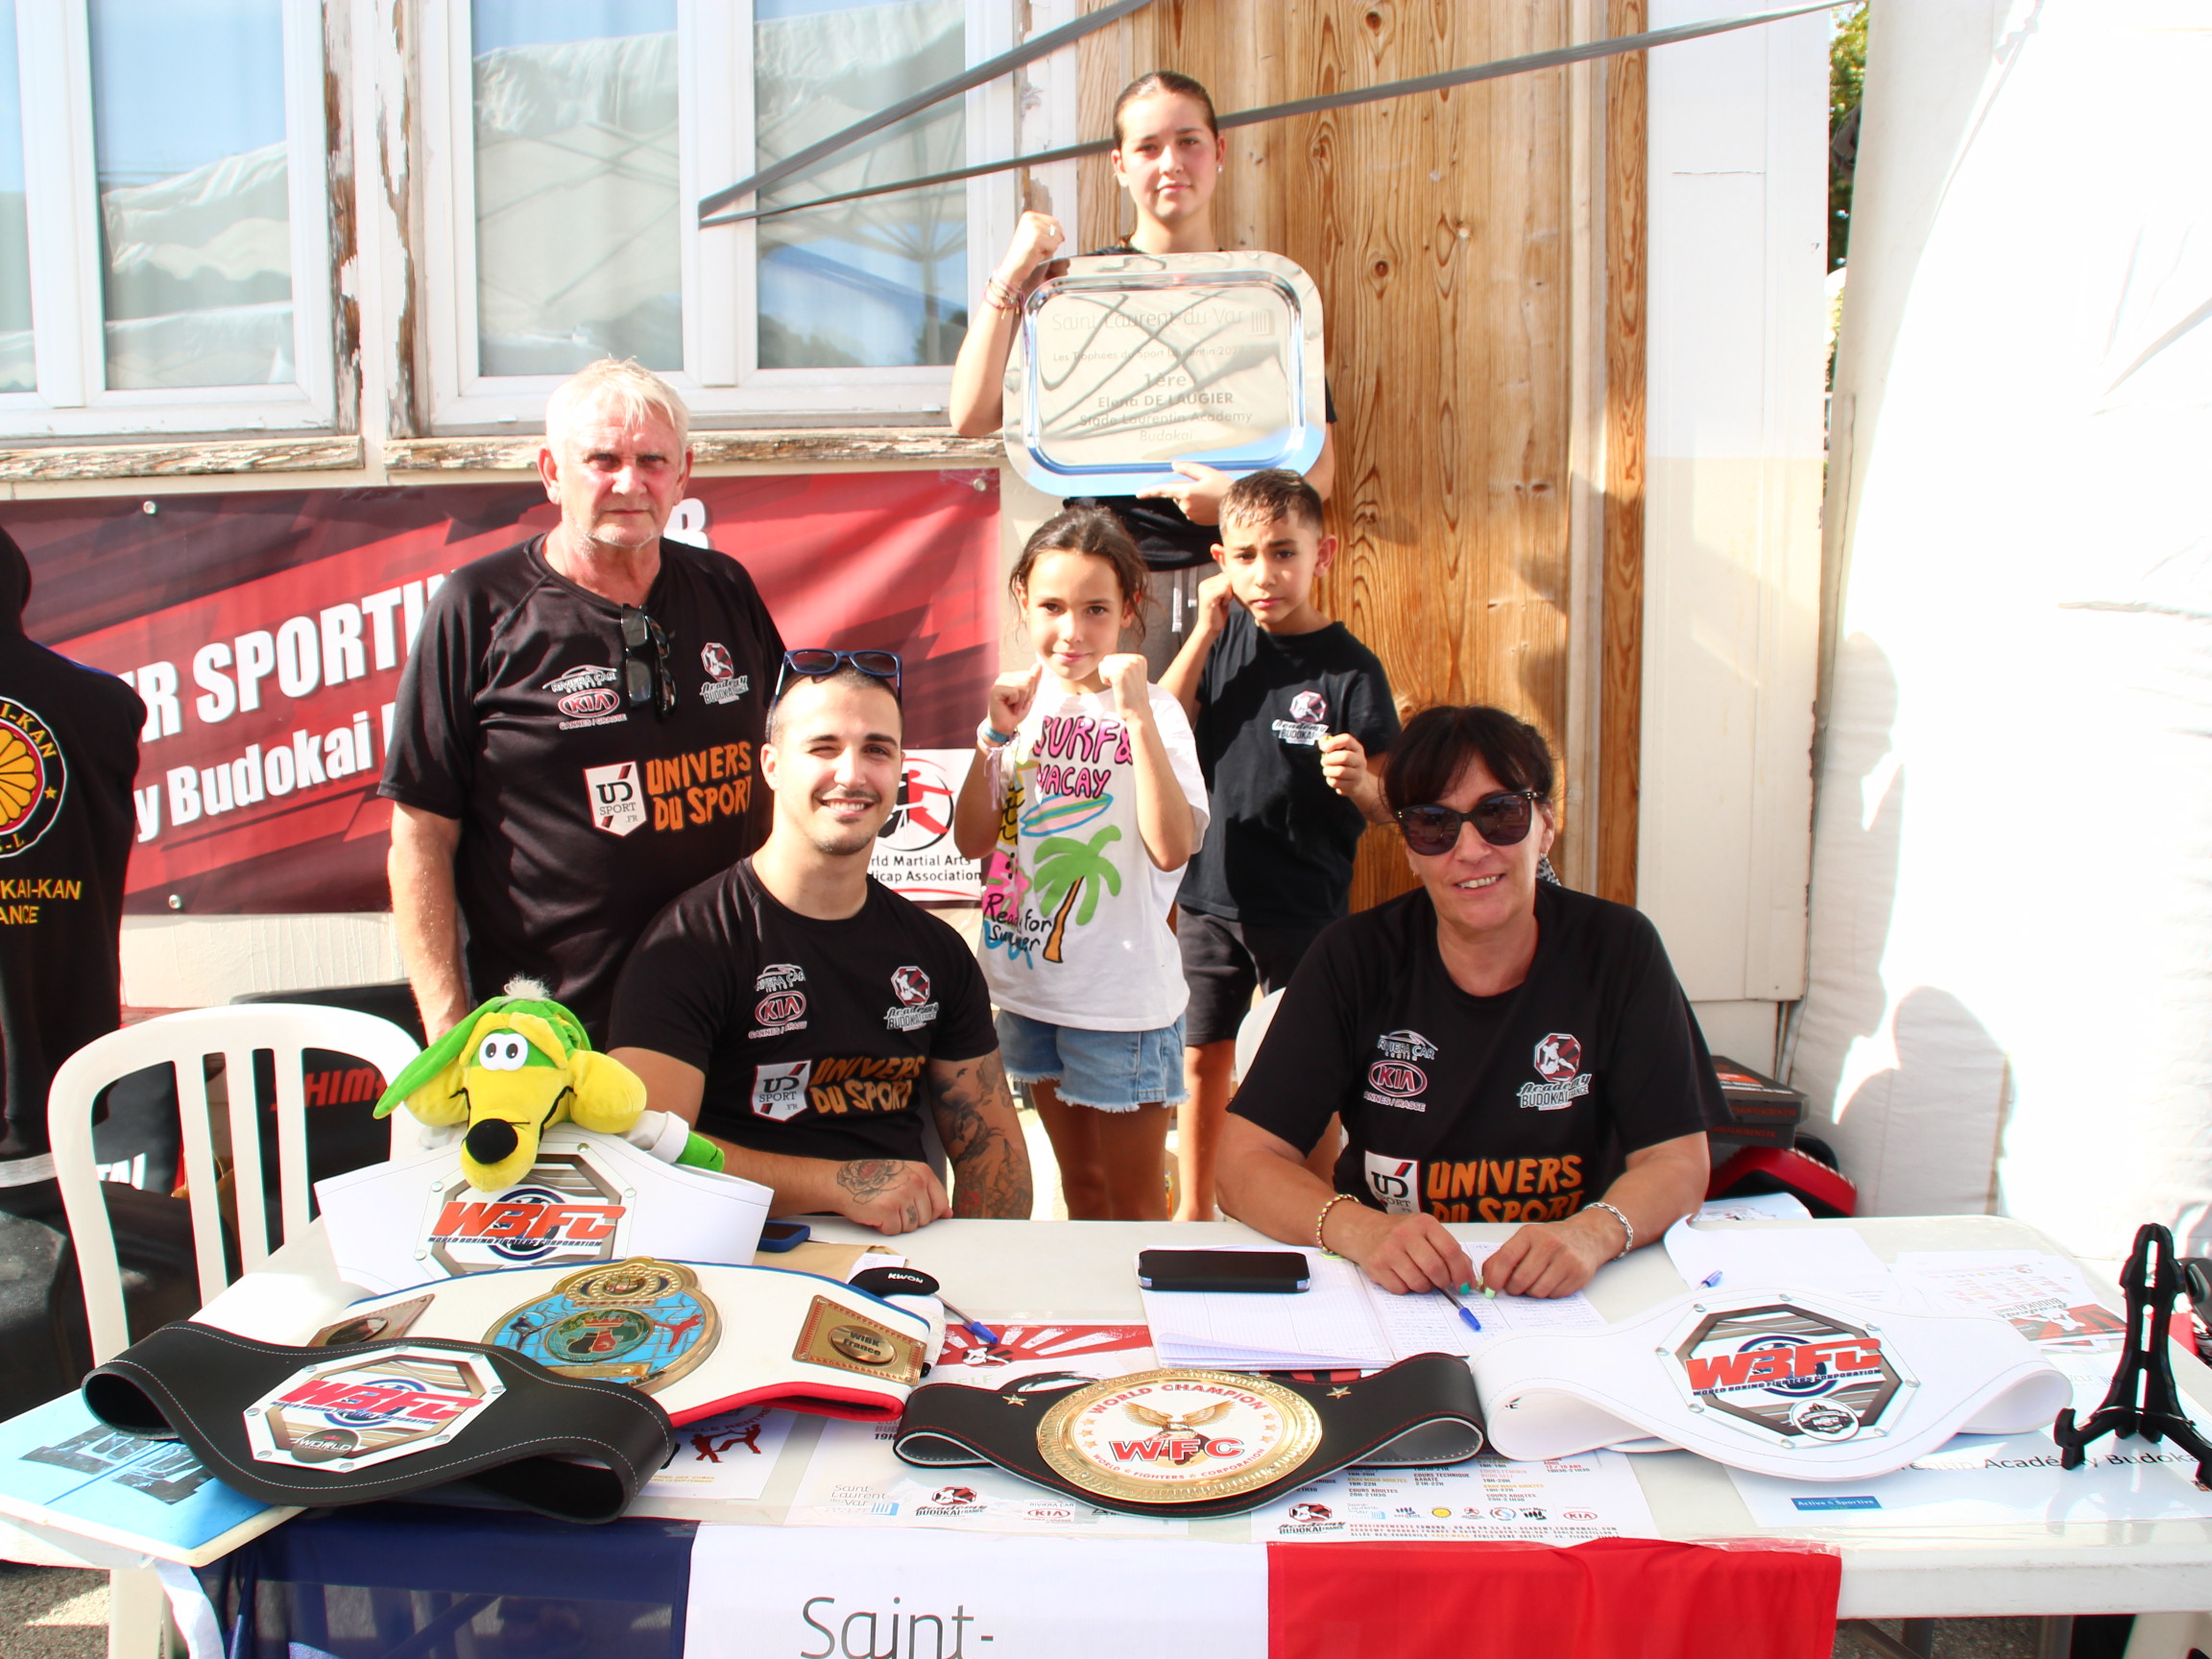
<point x="1809" y="1387"/>
<point x="697" y="1336"/>
<point x="589" y="1198"/>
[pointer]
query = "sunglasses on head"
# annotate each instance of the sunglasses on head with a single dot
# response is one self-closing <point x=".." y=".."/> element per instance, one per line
<point x="646" y="675"/>
<point x="813" y="661"/>
<point x="1501" y="819"/>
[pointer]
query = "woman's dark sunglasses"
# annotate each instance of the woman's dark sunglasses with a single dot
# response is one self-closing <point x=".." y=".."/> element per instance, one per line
<point x="1501" y="819"/>
<point x="813" y="661"/>
<point x="647" y="677"/>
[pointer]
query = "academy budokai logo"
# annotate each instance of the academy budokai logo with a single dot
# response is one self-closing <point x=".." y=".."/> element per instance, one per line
<point x="33" y="777"/>
<point x="1558" y="1061"/>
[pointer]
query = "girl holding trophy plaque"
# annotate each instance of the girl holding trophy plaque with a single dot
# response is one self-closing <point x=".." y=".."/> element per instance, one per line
<point x="1169" y="154"/>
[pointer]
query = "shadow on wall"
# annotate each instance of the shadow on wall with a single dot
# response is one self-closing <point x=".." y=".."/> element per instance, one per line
<point x="1858" y="823"/>
<point x="1919" y="1135"/>
<point x="1923" y="1134"/>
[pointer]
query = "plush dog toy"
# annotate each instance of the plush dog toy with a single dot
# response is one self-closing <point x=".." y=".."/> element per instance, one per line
<point x="516" y="1067"/>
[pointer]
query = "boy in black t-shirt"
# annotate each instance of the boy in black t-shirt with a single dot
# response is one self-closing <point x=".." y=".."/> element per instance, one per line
<point x="804" y="1016"/>
<point x="1289" y="711"/>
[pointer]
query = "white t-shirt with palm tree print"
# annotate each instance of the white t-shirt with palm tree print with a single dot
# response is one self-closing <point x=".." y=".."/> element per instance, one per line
<point x="1074" y="910"/>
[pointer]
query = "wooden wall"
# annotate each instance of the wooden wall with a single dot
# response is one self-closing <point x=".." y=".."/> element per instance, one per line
<point x="1437" y="229"/>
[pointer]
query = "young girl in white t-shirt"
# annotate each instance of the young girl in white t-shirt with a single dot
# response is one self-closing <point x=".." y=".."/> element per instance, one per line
<point x="1086" y="799"/>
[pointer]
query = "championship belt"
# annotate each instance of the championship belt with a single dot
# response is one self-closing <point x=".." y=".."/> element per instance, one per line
<point x="697" y="1336"/>
<point x="372" y="1420"/>
<point x="1810" y="1386"/>
<point x="1196" y="1443"/>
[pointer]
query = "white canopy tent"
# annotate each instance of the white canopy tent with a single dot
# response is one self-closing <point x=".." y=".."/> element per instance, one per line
<point x="2009" y="1000"/>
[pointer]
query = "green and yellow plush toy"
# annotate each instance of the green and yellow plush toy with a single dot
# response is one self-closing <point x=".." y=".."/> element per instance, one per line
<point x="517" y="1066"/>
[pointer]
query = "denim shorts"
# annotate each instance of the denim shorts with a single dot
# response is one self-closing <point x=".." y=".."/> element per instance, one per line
<point x="1112" y="1070"/>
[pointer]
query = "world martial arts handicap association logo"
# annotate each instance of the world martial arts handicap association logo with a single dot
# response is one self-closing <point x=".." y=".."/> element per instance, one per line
<point x="363" y="1409"/>
<point x="641" y="1322"/>
<point x="1178" y="1436"/>
<point x="33" y="777"/>
<point x="1786" y="1373"/>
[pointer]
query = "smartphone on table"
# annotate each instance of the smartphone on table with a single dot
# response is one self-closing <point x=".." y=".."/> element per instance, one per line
<point x="1265" y="1272"/>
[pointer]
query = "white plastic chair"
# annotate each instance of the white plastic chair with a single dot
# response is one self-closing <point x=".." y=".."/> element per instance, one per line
<point x="1251" y="1032"/>
<point x="184" y="1040"/>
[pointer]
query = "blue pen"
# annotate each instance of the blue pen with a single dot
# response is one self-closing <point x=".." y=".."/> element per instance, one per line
<point x="1472" y="1323"/>
<point x="1710" y="1280"/>
<point x="969" y="1325"/>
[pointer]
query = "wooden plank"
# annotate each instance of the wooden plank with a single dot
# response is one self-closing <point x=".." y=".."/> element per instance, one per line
<point x="1436" y="228"/>
<point x="802" y="444"/>
<point x="1621" y="717"/>
<point x="345" y="248"/>
<point x="67" y="463"/>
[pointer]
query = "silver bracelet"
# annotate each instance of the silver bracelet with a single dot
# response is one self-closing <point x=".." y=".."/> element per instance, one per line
<point x="1626" y="1226"/>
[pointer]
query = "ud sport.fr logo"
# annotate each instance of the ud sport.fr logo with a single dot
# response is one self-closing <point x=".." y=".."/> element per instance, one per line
<point x="1396" y="1083"/>
<point x="1558" y="1061"/>
<point x="618" y="798"/>
<point x="911" y="986"/>
<point x="1308" y="722"/>
<point x="1395" y="1182"/>
<point x="780" y="1091"/>
<point x="724" y="683"/>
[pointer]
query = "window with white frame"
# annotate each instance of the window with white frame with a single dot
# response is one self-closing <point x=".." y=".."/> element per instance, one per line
<point x="568" y="142"/>
<point x="165" y="250"/>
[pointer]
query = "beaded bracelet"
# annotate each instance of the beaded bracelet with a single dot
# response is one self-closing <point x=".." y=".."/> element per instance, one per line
<point x="1000" y="295"/>
<point x="1322" y="1220"/>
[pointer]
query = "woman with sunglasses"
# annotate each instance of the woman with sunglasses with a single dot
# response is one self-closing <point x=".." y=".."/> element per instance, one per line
<point x="1500" y="1049"/>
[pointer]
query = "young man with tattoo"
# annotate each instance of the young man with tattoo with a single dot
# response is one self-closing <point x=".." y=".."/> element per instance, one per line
<point x="801" y="1014"/>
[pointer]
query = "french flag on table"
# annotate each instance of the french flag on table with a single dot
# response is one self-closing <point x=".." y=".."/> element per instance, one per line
<point x="390" y="1579"/>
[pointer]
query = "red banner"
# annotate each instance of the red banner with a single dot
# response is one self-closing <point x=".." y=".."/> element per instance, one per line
<point x="267" y="632"/>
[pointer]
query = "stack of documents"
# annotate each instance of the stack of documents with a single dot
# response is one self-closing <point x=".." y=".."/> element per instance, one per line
<point x="1345" y="1322"/>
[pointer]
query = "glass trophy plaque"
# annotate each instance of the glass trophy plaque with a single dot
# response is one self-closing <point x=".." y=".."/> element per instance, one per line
<point x="1132" y="362"/>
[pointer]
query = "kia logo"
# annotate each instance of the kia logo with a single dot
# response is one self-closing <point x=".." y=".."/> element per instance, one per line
<point x="780" y="1010"/>
<point x="1397" y="1077"/>
<point x="582" y="705"/>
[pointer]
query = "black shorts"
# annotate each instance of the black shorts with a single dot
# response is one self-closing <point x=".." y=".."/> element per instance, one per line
<point x="1223" y="960"/>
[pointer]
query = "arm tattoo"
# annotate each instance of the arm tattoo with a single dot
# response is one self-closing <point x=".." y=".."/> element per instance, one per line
<point x="866" y="1177"/>
<point x="982" y="1136"/>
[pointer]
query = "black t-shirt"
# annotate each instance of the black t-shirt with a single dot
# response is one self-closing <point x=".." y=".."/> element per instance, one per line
<point x="1519" y="1107"/>
<point x="580" y="813"/>
<point x="1161" y="529"/>
<point x="1280" y="845"/>
<point x="68" y="753"/>
<point x="816" y="1036"/>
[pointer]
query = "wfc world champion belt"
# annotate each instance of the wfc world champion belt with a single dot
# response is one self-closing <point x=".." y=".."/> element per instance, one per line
<point x="1196" y="1443"/>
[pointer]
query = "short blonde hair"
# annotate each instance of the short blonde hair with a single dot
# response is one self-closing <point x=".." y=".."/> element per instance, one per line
<point x="622" y="381"/>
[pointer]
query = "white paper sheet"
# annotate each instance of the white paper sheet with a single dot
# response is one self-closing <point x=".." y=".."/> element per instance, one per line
<point x="1794" y="1258"/>
<point x="1345" y="1322"/>
<point x="1758" y="1207"/>
<point x="1991" y="1479"/>
<point x="724" y="1458"/>
<point x="1563" y="1500"/>
<point x="853" y="1480"/>
<point x="2044" y="1297"/>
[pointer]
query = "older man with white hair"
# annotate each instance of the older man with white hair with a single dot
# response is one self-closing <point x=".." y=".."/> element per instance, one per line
<point x="578" y="727"/>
